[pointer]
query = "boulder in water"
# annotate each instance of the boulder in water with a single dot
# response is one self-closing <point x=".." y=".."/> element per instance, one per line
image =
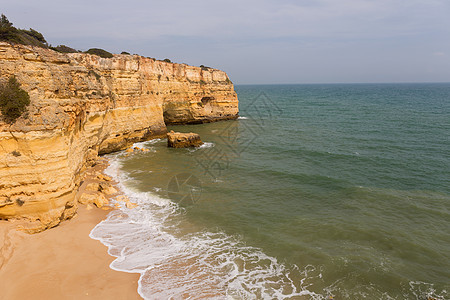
<point x="183" y="140"/>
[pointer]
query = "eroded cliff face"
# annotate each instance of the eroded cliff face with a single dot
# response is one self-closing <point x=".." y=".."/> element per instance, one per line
<point x="83" y="105"/>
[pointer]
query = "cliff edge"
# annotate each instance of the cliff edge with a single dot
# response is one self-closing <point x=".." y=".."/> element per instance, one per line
<point x="83" y="105"/>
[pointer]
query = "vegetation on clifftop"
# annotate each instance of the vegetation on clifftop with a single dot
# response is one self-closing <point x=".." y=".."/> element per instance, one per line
<point x="13" y="100"/>
<point x="99" y="52"/>
<point x="64" y="49"/>
<point x="31" y="37"/>
<point x="9" y="33"/>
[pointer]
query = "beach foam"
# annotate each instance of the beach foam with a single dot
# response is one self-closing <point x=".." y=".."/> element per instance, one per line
<point x="177" y="260"/>
<point x="199" y="264"/>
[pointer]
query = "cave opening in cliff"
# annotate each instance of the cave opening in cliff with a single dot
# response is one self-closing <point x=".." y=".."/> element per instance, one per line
<point x="207" y="99"/>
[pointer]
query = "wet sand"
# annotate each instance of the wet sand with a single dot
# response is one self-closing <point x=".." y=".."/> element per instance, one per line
<point x="61" y="263"/>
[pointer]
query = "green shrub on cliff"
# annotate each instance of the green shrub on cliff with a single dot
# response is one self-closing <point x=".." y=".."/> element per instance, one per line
<point x="11" y="34"/>
<point x="13" y="100"/>
<point x="35" y="34"/>
<point x="100" y="52"/>
<point x="64" y="49"/>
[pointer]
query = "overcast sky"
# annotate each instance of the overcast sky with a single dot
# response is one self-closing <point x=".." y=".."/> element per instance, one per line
<point x="264" y="41"/>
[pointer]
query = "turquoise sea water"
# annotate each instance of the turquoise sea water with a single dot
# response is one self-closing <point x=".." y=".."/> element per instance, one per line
<point x="316" y="191"/>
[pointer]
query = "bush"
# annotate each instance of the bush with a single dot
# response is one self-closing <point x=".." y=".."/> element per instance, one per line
<point x="64" y="49"/>
<point x="13" y="100"/>
<point x="167" y="60"/>
<point x="125" y="52"/>
<point x="99" y="52"/>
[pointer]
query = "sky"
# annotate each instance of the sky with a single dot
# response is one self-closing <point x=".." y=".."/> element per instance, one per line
<point x="260" y="42"/>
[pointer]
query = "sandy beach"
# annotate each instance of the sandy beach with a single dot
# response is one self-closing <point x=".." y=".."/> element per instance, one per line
<point x="61" y="263"/>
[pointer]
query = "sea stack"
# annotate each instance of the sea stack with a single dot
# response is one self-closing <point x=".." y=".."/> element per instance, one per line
<point x="183" y="140"/>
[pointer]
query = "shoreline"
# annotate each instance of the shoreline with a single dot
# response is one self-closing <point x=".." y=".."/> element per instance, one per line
<point x="64" y="261"/>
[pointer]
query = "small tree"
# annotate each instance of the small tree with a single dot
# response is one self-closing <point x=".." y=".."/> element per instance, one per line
<point x="7" y="31"/>
<point x="4" y="22"/>
<point x="13" y="100"/>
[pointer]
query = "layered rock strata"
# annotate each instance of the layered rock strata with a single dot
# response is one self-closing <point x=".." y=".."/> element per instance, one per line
<point x="83" y="105"/>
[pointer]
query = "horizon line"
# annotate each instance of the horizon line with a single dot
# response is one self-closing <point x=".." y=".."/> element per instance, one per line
<point x="331" y="83"/>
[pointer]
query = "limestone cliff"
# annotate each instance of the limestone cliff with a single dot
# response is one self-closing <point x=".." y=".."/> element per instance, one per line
<point x="83" y="105"/>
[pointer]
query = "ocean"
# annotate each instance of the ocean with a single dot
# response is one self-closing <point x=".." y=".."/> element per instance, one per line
<point x="325" y="191"/>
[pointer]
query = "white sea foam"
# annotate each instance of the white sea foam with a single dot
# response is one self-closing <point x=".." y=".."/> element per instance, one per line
<point x="206" y="145"/>
<point x="150" y="142"/>
<point x="423" y="290"/>
<point x="147" y="145"/>
<point x="194" y="265"/>
<point x="242" y="118"/>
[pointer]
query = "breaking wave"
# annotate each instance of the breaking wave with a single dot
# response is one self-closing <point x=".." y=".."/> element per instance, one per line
<point x="198" y="264"/>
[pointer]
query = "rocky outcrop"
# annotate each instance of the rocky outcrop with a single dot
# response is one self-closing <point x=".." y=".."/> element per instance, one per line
<point x="183" y="140"/>
<point x="83" y="105"/>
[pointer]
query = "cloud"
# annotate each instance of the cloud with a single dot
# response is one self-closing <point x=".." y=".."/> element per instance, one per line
<point x="238" y="35"/>
<point x="251" y="18"/>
